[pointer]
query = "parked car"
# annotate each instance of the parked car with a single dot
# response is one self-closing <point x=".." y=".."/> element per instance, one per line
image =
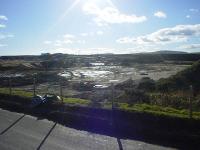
<point x="49" y="98"/>
<point x="36" y="101"/>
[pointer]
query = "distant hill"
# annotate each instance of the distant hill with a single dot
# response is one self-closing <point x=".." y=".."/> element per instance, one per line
<point x="169" y="52"/>
<point x="182" y="80"/>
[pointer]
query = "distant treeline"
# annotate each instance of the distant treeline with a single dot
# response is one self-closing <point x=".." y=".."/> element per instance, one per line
<point x="64" y="60"/>
<point x="154" y="58"/>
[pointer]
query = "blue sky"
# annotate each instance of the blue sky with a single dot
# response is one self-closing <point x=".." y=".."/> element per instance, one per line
<point x="98" y="26"/>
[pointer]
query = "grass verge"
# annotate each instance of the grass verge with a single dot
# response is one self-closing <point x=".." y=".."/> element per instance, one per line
<point x="16" y="92"/>
<point x="76" y="101"/>
<point x="143" y="108"/>
<point x="158" y="110"/>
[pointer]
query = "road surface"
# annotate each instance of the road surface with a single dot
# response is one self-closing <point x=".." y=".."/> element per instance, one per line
<point x="23" y="132"/>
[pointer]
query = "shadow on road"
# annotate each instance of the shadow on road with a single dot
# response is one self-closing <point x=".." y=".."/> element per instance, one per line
<point x="46" y="136"/>
<point x="168" y="132"/>
<point x="120" y="144"/>
<point x="14" y="123"/>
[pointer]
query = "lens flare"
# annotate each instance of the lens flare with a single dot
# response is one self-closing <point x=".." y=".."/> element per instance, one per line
<point x="73" y="5"/>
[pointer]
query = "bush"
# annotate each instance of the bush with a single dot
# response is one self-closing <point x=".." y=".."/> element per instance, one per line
<point x="136" y="96"/>
<point x="182" y="80"/>
<point x="147" y="84"/>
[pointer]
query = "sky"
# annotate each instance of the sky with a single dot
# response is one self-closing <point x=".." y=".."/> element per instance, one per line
<point x="32" y="27"/>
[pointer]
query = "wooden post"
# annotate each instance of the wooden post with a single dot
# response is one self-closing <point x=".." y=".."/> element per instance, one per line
<point x="112" y="86"/>
<point x="190" y="101"/>
<point x="34" y="86"/>
<point x="10" y="86"/>
<point x="61" y="93"/>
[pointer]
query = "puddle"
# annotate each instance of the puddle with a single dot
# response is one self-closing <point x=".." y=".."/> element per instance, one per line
<point x="5" y="75"/>
<point x="103" y="74"/>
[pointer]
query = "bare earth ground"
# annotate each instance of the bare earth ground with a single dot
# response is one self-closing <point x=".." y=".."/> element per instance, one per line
<point x="105" y="73"/>
<point x="102" y="75"/>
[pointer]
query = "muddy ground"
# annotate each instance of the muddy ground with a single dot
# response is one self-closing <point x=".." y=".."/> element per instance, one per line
<point x="95" y="80"/>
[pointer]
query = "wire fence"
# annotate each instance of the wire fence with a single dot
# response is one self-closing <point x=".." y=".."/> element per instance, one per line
<point x="97" y="97"/>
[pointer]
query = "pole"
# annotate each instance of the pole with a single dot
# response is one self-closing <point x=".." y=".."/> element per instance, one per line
<point x="61" y="96"/>
<point x="61" y="93"/>
<point x="190" y="101"/>
<point x="34" y="86"/>
<point x="10" y="86"/>
<point x="112" y="86"/>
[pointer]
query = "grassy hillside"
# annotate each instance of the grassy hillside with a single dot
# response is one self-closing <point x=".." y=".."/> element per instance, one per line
<point x="182" y="80"/>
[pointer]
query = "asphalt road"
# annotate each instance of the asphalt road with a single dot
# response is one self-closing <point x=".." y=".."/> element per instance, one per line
<point x="23" y="132"/>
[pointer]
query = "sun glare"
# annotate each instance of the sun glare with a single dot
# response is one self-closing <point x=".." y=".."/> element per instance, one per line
<point x="79" y="2"/>
<point x="100" y="2"/>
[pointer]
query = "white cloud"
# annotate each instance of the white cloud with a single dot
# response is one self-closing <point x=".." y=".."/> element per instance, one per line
<point x="5" y="36"/>
<point x="84" y="34"/>
<point x="194" y="10"/>
<point x="100" y="50"/>
<point x="3" y="45"/>
<point x="69" y="36"/>
<point x="160" y="14"/>
<point x="47" y="42"/>
<point x="99" y="32"/>
<point x="110" y="15"/>
<point x="126" y="40"/>
<point x="66" y="39"/>
<point x="190" y="46"/>
<point x="2" y="26"/>
<point x="2" y="17"/>
<point x="103" y="50"/>
<point x="58" y="43"/>
<point x="92" y="33"/>
<point x="188" y="16"/>
<point x="141" y="49"/>
<point x="81" y="41"/>
<point x="178" y="33"/>
<point x="64" y="50"/>
<point x="87" y="51"/>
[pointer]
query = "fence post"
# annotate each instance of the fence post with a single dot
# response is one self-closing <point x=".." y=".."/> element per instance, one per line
<point x="10" y="86"/>
<point x="112" y="86"/>
<point x="61" y="93"/>
<point x="190" y="101"/>
<point x="112" y="113"/>
<point x="34" y="85"/>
